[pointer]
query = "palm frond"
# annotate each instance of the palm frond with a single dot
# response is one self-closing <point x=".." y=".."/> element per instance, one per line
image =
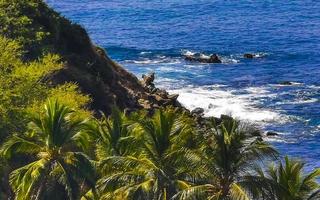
<point x="26" y="180"/>
<point x="17" y="144"/>
<point x="238" y="193"/>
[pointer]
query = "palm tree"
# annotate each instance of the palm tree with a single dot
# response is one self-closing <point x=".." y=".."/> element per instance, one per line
<point x="286" y="181"/>
<point x="113" y="134"/>
<point x="163" y="166"/>
<point x="113" y="137"/>
<point x="54" y="142"/>
<point x="230" y="151"/>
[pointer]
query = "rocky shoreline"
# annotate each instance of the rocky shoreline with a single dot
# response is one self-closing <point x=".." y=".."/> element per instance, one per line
<point x="155" y="98"/>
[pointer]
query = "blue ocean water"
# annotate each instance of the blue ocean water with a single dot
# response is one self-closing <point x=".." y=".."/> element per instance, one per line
<point x="150" y="35"/>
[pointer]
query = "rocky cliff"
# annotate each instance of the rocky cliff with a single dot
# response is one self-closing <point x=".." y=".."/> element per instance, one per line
<point x="42" y="30"/>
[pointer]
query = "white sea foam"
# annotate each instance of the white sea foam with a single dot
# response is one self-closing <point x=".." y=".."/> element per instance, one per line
<point x="298" y="101"/>
<point x="158" y="60"/>
<point x="169" y="84"/>
<point x="260" y="54"/>
<point x="314" y="86"/>
<point x="216" y="101"/>
<point x="145" y="52"/>
<point x="228" y="60"/>
<point x="168" y="68"/>
<point x="257" y="90"/>
<point x="203" y="56"/>
<point x="147" y="61"/>
<point x="187" y="53"/>
<point x="278" y="139"/>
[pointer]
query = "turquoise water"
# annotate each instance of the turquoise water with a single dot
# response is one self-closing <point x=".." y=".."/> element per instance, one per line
<point x="154" y="35"/>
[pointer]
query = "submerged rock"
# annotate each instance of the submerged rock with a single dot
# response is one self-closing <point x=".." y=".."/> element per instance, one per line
<point x="271" y="133"/>
<point x="285" y="83"/>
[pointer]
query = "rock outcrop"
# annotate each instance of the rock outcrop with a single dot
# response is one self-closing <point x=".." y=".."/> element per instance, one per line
<point x="203" y="59"/>
<point x="155" y="97"/>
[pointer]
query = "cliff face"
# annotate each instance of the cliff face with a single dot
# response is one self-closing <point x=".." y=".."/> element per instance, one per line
<point x="42" y="30"/>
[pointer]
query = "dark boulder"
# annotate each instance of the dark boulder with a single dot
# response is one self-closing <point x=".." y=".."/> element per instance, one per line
<point x="248" y="55"/>
<point x="214" y="59"/>
<point x="271" y="133"/>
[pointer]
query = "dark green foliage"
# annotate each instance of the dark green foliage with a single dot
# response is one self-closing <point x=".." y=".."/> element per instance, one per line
<point x="162" y="165"/>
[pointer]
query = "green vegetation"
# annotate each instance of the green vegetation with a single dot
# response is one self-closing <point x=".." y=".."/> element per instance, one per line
<point x="62" y="150"/>
<point x="163" y="156"/>
<point x="24" y="86"/>
<point x="56" y="142"/>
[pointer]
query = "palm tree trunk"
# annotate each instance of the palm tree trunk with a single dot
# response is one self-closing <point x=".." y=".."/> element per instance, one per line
<point x="225" y="187"/>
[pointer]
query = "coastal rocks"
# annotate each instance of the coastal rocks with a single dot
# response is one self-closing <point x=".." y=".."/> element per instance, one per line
<point x="146" y="104"/>
<point x="173" y="97"/>
<point x="248" y="55"/>
<point x="154" y="97"/>
<point x="147" y="80"/>
<point x="203" y="59"/>
<point x="214" y="59"/>
<point x="164" y="100"/>
<point x="198" y="111"/>
<point x="254" y="55"/>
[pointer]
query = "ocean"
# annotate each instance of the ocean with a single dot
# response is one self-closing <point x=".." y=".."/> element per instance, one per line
<point x="154" y="36"/>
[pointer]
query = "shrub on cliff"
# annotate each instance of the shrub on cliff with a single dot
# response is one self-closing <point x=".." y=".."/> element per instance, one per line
<point x="23" y="86"/>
